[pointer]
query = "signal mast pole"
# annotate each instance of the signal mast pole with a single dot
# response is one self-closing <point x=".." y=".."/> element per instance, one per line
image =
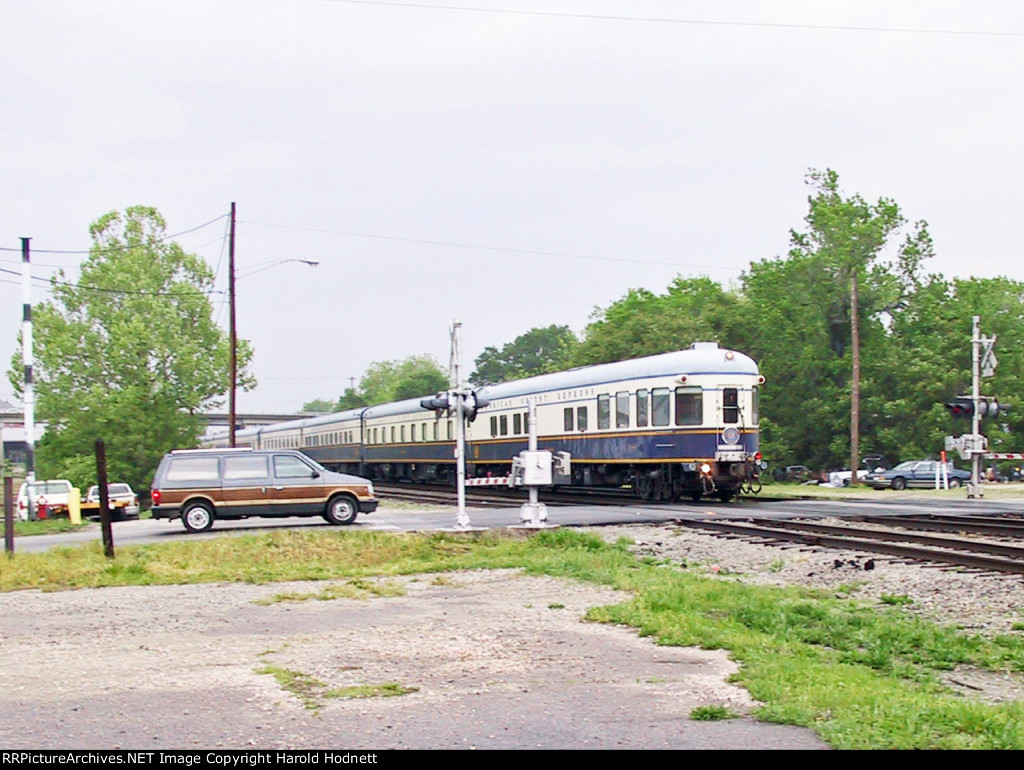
<point x="457" y="393"/>
<point x="974" y="488"/>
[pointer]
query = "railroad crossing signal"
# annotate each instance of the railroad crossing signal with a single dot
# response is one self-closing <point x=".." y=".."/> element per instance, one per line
<point x="989" y="362"/>
<point x="963" y="407"/>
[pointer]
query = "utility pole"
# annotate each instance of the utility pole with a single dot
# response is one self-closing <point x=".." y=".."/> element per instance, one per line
<point x="29" y="396"/>
<point x="855" y="377"/>
<point x="233" y="365"/>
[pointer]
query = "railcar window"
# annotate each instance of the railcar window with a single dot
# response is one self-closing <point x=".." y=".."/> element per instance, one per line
<point x="581" y="418"/>
<point x="604" y="411"/>
<point x="449" y="430"/>
<point x="622" y="409"/>
<point x="494" y="426"/>
<point x="730" y="406"/>
<point x="517" y="424"/>
<point x="412" y="432"/>
<point x="526" y="422"/>
<point x="401" y="433"/>
<point x="503" y="424"/>
<point x="435" y="431"/>
<point x="642" y="407"/>
<point x="689" y="405"/>
<point x="755" y="398"/>
<point x="660" y="406"/>
<point x="392" y="434"/>
<point x="567" y="424"/>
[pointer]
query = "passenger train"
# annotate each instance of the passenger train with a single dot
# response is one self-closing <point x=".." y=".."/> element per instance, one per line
<point x="680" y="424"/>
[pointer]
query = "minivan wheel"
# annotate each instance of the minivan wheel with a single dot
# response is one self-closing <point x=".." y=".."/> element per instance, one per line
<point x="954" y="483"/>
<point x="341" y="510"/>
<point x="197" y="517"/>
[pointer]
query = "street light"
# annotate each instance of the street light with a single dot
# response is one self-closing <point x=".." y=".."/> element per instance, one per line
<point x="231" y="325"/>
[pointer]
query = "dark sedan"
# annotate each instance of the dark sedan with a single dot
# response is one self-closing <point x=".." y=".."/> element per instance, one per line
<point x="916" y="473"/>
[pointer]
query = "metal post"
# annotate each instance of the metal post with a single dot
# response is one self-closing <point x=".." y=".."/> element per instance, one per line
<point x="974" y="487"/>
<point x="101" y="480"/>
<point x="233" y="343"/>
<point x="458" y="393"/>
<point x="8" y="515"/>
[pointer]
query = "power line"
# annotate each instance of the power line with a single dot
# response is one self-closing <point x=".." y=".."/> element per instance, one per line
<point x="669" y="20"/>
<point x="504" y="249"/>
<point x="112" y="249"/>
<point x="102" y="290"/>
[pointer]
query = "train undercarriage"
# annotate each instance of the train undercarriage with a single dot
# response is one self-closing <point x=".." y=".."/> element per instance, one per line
<point x="664" y="482"/>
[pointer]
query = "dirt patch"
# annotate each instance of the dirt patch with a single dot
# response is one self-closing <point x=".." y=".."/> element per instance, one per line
<point x="489" y="659"/>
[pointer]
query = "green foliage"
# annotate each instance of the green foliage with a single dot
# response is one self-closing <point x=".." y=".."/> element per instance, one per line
<point x="386" y="381"/>
<point x="319" y="405"/>
<point x="792" y="314"/>
<point x="538" y="351"/>
<point x="129" y="353"/>
<point x="711" y="713"/>
<point x="643" y="323"/>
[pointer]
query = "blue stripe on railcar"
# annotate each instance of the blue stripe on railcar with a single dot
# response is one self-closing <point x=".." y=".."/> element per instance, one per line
<point x="666" y="446"/>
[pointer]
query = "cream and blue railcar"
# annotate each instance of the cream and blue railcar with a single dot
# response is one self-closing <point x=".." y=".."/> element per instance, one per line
<point x="677" y="424"/>
<point x="666" y="426"/>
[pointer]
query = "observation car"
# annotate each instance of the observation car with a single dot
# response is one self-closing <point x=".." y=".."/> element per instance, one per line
<point x="666" y="426"/>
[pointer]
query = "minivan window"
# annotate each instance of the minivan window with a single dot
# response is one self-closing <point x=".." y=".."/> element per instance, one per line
<point x="288" y="467"/>
<point x="192" y="469"/>
<point x="246" y="467"/>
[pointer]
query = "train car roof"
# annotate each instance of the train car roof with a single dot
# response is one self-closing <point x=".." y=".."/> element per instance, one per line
<point x="702" y="358"/>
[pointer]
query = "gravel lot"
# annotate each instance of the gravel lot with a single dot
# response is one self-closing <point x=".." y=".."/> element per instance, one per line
<point x="497" y="659"/>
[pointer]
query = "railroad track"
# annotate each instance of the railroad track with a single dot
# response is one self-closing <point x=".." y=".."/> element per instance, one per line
<point x="497" y="497"/>
<point x="887" y="538"/>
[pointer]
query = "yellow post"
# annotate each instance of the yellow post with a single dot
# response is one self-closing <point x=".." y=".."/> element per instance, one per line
<point x="75" y="506"/>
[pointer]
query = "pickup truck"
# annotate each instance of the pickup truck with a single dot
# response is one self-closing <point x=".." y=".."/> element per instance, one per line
<point x="54" y="492"/>
<point x="121" y="500"/>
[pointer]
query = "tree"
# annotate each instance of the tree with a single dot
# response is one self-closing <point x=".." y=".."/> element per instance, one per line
<point x="643" y="323"/>
<point x="845" y="237"/>
<point x="129" y="353"/>
<point x="350" y="399"/>
<point x="319" y="405"/>
<point x="386" y="381"/>
<point x="538" y="351"/>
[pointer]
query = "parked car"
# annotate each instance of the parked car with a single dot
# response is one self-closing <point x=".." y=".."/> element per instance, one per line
<point x="800" y="473"/>
<point x="121" y="499"/>
<point x="916" y="474"/>
<point x="55" y="493"/>
<point x="842" y="478"/>
<point x="201" y="485"/>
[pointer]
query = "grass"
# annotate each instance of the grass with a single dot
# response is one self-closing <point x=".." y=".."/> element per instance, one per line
<point x="1001" y="491"/>
<point x="861" y="676"/>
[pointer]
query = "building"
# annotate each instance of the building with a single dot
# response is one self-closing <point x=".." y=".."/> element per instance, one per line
<point x="12" y="433"/>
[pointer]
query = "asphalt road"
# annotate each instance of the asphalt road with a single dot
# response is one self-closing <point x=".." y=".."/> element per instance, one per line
<point x="404" y="519"/>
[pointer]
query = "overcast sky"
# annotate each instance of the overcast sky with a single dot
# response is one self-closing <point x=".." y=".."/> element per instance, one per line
<point x="512" y="165"/>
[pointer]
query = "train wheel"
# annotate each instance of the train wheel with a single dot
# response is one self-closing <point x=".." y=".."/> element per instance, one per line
<point x="644" y="488"/>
